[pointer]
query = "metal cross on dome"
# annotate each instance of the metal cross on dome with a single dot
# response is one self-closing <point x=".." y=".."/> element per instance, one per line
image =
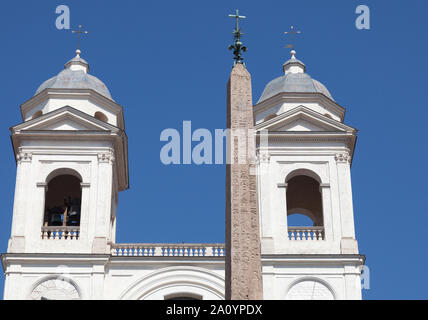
<point x="291" y="33"/>
<point x="79" y="33"/>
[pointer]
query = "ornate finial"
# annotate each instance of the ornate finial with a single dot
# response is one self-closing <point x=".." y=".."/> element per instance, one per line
<point x="79" y="32"/>
<point x="292" y="33"/>
<point x="237" y="46"/>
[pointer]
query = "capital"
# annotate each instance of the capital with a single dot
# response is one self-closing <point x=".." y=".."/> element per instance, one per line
<point x="24" y="157"/>
<point x="342" y="157"/>
<point x="106" y="157"/>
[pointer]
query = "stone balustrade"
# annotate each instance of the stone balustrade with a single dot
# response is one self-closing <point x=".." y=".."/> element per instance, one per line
<point x="60" y="233"/>
<point x="167" y="250"/>
<point x="305" y="233"/>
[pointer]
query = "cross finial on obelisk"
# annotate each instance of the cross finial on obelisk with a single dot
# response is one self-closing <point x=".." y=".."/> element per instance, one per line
<point x="237" y="46"/>
<point x="79" y="33"/>
<point x="291" y="33"/>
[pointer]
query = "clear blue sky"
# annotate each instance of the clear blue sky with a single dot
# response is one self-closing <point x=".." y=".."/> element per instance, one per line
<point x="167" y="61"/>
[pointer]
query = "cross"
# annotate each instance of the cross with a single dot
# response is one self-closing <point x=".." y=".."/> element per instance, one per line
<point x="79" y="32"/>
<point x="237" y="46"/>
<point x="292" y="33"/>
<point x="237" y="17"/>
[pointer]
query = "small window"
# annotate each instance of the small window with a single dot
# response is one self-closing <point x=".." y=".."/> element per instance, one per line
<point x="101" y="116"/>
<point x="328" y="116"/>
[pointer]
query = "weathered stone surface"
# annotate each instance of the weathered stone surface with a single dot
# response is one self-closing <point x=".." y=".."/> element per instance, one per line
<point x="243" y="261"/>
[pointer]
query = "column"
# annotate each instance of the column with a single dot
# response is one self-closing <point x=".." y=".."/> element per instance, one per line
<point x="23" y="174"/>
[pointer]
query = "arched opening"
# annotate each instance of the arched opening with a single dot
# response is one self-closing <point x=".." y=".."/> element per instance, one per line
<point x="101" y="116"/>
<point x="37" y="114"/>
<point x="304" y="207"/>
<point x="328" y="115"/>
<point x="304" y="198"/>
<point x="63" y="201"/>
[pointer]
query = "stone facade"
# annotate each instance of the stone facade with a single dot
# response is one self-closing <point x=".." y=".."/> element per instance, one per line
<point x="288" y="140"/>
<point x="243" y="261"/>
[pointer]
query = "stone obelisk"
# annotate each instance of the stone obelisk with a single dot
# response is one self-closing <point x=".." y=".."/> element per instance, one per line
<point x="243" y="261"/>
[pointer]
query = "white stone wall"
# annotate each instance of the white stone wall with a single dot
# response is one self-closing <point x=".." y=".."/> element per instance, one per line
<point x="103" y="277"/>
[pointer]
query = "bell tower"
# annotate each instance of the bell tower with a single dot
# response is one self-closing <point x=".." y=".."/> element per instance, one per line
<point x="305" y="151"/>
<point x="71" y="156"/>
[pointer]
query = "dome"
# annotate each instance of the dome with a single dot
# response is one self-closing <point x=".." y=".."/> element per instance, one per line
<point x="75" y="76"/>
<point x="295" y="80"/>
<point x="293" y="83"/>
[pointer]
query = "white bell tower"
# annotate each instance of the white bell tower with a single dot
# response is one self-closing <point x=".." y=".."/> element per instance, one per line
<point x="71" y="155"/>
<point x="305" y="152"/>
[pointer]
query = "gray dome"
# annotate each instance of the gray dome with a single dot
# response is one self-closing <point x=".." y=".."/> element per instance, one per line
<point x="75" y="79"/>
<point x="293" y="83"/>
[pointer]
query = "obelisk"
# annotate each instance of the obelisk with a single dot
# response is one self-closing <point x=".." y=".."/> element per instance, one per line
<point x="243" y="258"/>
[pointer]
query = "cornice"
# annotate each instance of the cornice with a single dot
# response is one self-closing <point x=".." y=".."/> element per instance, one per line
<point x="358" y="259"/>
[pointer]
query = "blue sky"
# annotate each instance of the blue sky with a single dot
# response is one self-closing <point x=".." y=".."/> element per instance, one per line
<point x="167" y="61"/>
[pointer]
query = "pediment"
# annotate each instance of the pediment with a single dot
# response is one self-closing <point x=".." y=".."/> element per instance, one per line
<point x="303" y="119"/>
<point x="65" y="119"/>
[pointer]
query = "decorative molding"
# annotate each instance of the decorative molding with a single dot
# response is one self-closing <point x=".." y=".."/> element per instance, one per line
<point x="343" y="157"/>
<point x="263" y="157"/>
<point x="24" y="157"/>
<point x="106" y="157"/>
